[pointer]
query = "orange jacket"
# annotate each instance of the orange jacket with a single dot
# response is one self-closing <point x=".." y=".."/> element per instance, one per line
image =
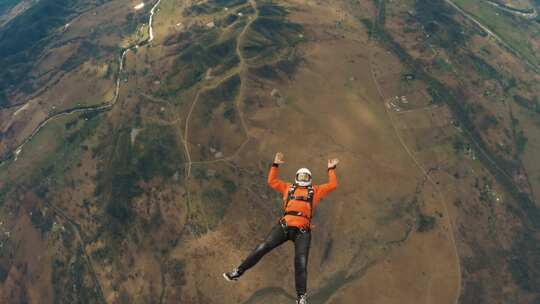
<point x="297" y="205"/>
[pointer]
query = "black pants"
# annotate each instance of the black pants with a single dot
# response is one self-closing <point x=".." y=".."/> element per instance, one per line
<point x="276" y="237"/>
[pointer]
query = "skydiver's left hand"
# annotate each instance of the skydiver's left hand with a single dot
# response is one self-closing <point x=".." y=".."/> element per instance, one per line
<point x="332" y="163"/>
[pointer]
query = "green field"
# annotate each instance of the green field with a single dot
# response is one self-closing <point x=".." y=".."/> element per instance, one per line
<point x="516" y="31"/>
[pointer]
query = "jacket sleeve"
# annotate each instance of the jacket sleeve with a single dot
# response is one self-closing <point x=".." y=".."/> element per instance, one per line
<point x="325" y="189"/>
<point x="274" y="182"/>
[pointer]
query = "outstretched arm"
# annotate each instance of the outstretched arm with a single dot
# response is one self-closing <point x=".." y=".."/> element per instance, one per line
<point x="324" y="189"/>
<point x="273" y="181"/>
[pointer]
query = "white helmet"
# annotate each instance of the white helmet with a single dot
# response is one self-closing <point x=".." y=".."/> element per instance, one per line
<point x="303" y="177"/>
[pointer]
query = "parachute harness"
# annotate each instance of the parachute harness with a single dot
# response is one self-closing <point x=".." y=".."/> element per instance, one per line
<point x="308" y="199"/>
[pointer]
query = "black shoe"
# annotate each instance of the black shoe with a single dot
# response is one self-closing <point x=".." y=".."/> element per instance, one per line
<point x="233" y="275"/>
<point x="302" y="299"/>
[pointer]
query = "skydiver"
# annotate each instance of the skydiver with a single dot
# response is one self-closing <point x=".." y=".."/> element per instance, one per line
<point x="300" y="200"/>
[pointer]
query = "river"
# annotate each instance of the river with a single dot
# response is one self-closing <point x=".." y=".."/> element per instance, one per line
<point x="104" y="106"/>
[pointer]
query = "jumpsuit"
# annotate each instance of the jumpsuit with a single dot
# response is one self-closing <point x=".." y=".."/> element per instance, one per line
<point x="293" y="227"/>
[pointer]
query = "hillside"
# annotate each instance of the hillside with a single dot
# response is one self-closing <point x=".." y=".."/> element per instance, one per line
<point x="135" y="142"/>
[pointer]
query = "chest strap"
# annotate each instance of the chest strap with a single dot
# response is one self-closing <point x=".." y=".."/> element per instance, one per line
<point x="295" y="213"/>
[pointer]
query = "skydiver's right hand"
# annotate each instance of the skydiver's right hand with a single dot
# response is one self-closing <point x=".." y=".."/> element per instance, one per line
<point x="278" y="159"/>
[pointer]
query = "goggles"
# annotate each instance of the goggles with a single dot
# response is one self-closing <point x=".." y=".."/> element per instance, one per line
<point x="303" y="177"/>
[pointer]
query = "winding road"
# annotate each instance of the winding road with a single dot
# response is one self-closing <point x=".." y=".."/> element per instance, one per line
<point x="514" y="11"/>
<point x="237" y="102"/>
<point x="96" y="108"/>
<point x="418" y="164"/>
<point x="501" y="41"/>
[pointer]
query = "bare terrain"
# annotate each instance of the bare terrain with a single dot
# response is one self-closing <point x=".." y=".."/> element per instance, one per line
<point x="138" y="175"/>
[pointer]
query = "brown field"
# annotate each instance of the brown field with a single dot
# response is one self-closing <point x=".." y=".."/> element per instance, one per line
<point x="334" y="117"/>
<point x="415" y="219"/>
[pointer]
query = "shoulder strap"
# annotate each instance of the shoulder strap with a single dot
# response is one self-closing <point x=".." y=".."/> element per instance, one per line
<point x="292" y="189"/>
<point x="311" y="194"/>
<point x="290" y="195"/>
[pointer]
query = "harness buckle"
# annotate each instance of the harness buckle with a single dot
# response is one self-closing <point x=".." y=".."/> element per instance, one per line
<point x="283" y="223"/>
<point x="302" y="230"/>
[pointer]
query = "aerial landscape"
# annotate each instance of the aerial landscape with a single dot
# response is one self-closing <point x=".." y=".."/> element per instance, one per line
<point x="136" y="137"/>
